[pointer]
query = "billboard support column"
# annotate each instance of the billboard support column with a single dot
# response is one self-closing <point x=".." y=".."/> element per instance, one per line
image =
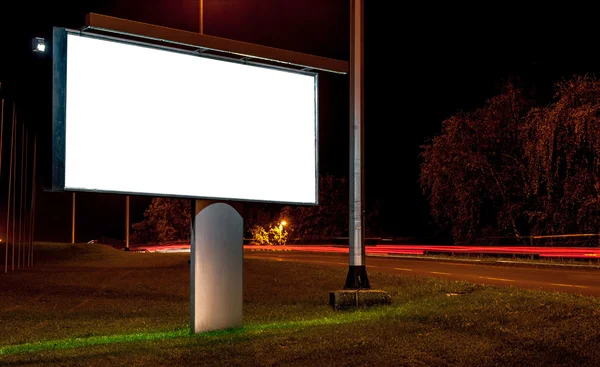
<point x="73" y="221"/>
<point x="216" y="266"/>
<point x="357" y="273"/>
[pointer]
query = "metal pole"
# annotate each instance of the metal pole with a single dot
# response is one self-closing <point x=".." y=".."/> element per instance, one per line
<point x="201" y="16"/>
<point x="1" y="138"/>
<point x="357" y="273"/>
<point x="12" y="131"/>
<point x="14" y="199"/>
<point x="32" y="208"/>
<point x="1" y="133"/>
<point x="21" y="256"/>
<point x="73" y="222"/>
<point x="25" y="226"/>
<point x="127" y="223"/>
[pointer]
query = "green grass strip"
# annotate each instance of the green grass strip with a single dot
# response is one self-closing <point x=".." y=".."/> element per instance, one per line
<point x="69" y="343"/>
<point x="90" y="341"/>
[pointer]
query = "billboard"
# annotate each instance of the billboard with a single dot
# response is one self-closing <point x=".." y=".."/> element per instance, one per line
<point x="135" y="118"/>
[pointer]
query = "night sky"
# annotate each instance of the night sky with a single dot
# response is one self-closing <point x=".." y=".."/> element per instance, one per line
<point x="423" y="64"/>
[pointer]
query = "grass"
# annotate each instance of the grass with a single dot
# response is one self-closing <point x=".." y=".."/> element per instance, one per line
<point x="90" y="305"/>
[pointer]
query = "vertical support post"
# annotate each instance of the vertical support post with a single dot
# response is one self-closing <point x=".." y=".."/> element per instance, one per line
<point x="127" y="223"/>
<point x="14" y="199"/>
<point x="32" y="208"/>
<point x="201" y="16"/>
<point x="1" y="138"/>
<point x="357" y="273"/>
<point x="73" y="221"/>
<point x="216" y="267"/>
<point x="12" y="132"/>
<point x="1" y="133"/>
<point x="25" y="224"/>
<point x="21" y="257"/>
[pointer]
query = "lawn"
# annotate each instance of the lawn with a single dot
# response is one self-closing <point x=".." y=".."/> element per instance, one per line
<point x="91" y="305"/>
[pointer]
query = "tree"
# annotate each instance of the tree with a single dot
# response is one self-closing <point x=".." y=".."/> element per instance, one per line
<point x="473" y="172"/>
<point x="165" y="220"/>
<point x="510" y="167"/>
<point x="275" y="235"/>
<point x="562" y="149"/>
<point x="259" y="214"/>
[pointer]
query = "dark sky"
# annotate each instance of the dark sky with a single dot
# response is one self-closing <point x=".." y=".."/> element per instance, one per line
<point x="423" y="63"/>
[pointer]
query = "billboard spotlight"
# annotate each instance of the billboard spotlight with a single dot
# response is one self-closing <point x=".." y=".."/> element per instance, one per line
<point x="39" y="44"/>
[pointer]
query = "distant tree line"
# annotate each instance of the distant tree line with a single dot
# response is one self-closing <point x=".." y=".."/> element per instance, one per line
<point x="327" y="220"/>
<point x="168" y="219"/>
<point x="515" y="167"/>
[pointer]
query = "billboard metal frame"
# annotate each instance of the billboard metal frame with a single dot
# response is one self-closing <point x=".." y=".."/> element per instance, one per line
<point x="203" y="43"/>
<point x="59" y="95"/>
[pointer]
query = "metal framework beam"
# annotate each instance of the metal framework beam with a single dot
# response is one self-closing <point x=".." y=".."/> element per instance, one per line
<point x="104" y="23"/>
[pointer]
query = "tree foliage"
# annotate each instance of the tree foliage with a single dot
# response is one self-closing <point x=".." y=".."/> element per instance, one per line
<point x="562" y="147"/>
<point x="468" y="171"/>
<point x="169" y="219"/>
<point x="259" y="214"/>
<point x="165" y="220"/>
<point x="330" y="218"/>
<point x="513" y="168"/>
<point x="276" y="235"/>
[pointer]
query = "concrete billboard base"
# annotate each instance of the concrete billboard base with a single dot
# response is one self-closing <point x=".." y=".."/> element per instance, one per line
<point x="216" y="267"/>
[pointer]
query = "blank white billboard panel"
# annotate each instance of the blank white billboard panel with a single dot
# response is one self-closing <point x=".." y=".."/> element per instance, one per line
<point x="143" y="120"/>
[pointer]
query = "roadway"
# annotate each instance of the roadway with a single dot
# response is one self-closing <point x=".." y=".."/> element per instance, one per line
<point x="589" y="253"/>
<point x="581" y="280"/>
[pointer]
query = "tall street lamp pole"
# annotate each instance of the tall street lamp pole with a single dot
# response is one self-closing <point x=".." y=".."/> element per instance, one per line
<point x="357" y="273"/>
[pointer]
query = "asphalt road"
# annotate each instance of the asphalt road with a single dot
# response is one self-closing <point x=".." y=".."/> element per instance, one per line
<point x="584" y="281"/>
